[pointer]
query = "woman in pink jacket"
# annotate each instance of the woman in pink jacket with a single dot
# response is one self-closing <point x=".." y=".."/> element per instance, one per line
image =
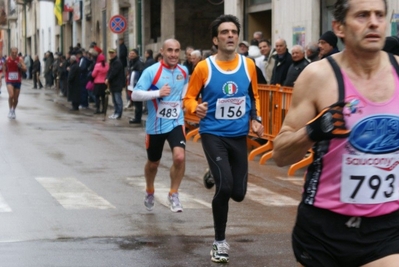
<point x="99" y="74"/>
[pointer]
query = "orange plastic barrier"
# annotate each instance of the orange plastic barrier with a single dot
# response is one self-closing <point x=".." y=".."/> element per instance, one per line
<point x="275" y="102"/>
<point x="191" y="123"/>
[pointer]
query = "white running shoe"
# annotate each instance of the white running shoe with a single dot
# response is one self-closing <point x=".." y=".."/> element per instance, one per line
<point x="13" y="114"/>
<point x="113" y="116"/>
<point x="174" y="203"/>
<point x="149" y="201"/>
<point x="10" y="114"/>
<point x="220" y="252"/>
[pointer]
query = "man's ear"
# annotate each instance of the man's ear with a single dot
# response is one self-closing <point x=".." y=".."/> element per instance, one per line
<point x="338" y="29"/>
<point x="215" y="40"/>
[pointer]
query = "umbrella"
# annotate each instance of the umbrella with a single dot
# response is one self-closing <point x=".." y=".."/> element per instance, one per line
<point x="105" y="106"/>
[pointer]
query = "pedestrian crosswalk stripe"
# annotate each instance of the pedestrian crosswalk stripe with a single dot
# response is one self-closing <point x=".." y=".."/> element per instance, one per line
<point x="255" y="193"/>
<point x="3" y="205"/>
<point x="161" y="192"/>
<point x="268" y="198"/>
<point x="73" y="194"/>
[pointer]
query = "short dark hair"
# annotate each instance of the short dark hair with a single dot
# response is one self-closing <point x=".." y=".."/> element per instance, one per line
<point x="341" y="8"/>
<point x="150" y="52"/>
<point x="266" y="41"/>
<point x="221" y="19"/>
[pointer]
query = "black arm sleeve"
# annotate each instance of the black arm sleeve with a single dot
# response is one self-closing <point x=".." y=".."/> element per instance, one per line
<point x="253" y="113"/>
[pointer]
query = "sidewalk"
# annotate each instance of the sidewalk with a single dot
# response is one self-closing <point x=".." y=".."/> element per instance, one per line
<point x="27" y="85"/>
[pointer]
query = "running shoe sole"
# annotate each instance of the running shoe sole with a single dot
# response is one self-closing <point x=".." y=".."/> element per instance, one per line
<point x="209" y="182"/>
<point x="221" y="259"/>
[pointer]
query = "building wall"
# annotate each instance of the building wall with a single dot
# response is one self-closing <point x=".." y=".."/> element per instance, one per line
<point x="192" y="22"/>
<point x="293" y="17"/>
<point x="187" y="21"/>
<point x="46" y="25"/>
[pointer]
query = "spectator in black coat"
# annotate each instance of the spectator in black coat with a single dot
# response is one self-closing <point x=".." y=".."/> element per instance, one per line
<point x="74" y="91"/>
<point x="328" y="44"/>
<point x="136" y="67"/>
<point x="187" y="62"/>
<point x="122" y="52"/>
<point x="299" y="62"/>
<point x="115" y="81"/>
<point x="84" y="64"/>
<point x="283" y="61"/>
<point x="36" y="67"/>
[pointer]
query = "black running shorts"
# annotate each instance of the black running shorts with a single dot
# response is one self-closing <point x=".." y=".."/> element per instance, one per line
<point x="155" y="142"/>
<point x="324" y="238"/>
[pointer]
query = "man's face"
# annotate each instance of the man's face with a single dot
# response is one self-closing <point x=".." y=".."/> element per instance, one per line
<point x="14" y="53"/>
<point x="281" y="47"/>
<point x="132" y="55"/>
<point x="365" y="26"/>
<point x="188" y="53"/>
<point x="227" y="38"/>
<point x="111" y="55"/>
<point x="324" y="47"/>
<point x="264" y="48"/>
<point x="257" y="37"/>
<point x="297" y="54"/>
<point x="170" y="52"/>
<point x="309" y="53"/>
<point x="195" y="60"/>
<point x="242" y="49"/>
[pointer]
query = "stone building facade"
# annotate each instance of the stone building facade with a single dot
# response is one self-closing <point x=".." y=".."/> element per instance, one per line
<point x="31" y="24"/>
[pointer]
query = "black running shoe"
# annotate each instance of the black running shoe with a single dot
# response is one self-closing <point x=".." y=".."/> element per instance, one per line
<point x="209" y="182"/>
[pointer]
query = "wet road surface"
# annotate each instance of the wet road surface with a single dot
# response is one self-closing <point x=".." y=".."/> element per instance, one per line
<point x="72" y="188"/>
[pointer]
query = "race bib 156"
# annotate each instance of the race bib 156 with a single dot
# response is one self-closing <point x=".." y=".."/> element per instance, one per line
<point x="230" y="108"/>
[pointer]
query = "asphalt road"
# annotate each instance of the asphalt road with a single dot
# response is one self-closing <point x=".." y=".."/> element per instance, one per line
<point x="72" y="188"/>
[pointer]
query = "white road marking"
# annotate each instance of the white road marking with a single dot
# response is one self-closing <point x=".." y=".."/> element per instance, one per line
<point x="161" y="193"/>
<point x="267" y="197"/>
<point x="295" y="180"/>
<point x="3" y="205"/>
<point x="73" y="194"/>
<point x="255" y="193"/>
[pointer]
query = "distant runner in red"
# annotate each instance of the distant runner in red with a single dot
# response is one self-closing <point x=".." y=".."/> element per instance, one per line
<point x="14" y="66"/>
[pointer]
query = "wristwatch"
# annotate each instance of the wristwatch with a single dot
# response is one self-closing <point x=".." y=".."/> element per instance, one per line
<point x="258" y="119"/>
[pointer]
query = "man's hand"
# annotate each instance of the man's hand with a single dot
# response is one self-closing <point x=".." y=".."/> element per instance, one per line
<point x="201" y="110"/>
<point x="21" y="64"/>
<point x="257" y="128"/>
<point x="164" y="91"/>
<point x="328" y="124"/>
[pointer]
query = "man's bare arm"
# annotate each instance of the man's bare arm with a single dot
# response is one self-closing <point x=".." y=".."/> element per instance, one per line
<point x="292" y="142"/>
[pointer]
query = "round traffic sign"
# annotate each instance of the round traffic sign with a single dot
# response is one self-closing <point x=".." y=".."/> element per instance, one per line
<point x="117" y="24"/>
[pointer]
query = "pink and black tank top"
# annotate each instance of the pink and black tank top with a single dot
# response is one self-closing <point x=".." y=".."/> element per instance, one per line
<point x="358" y="175"/>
